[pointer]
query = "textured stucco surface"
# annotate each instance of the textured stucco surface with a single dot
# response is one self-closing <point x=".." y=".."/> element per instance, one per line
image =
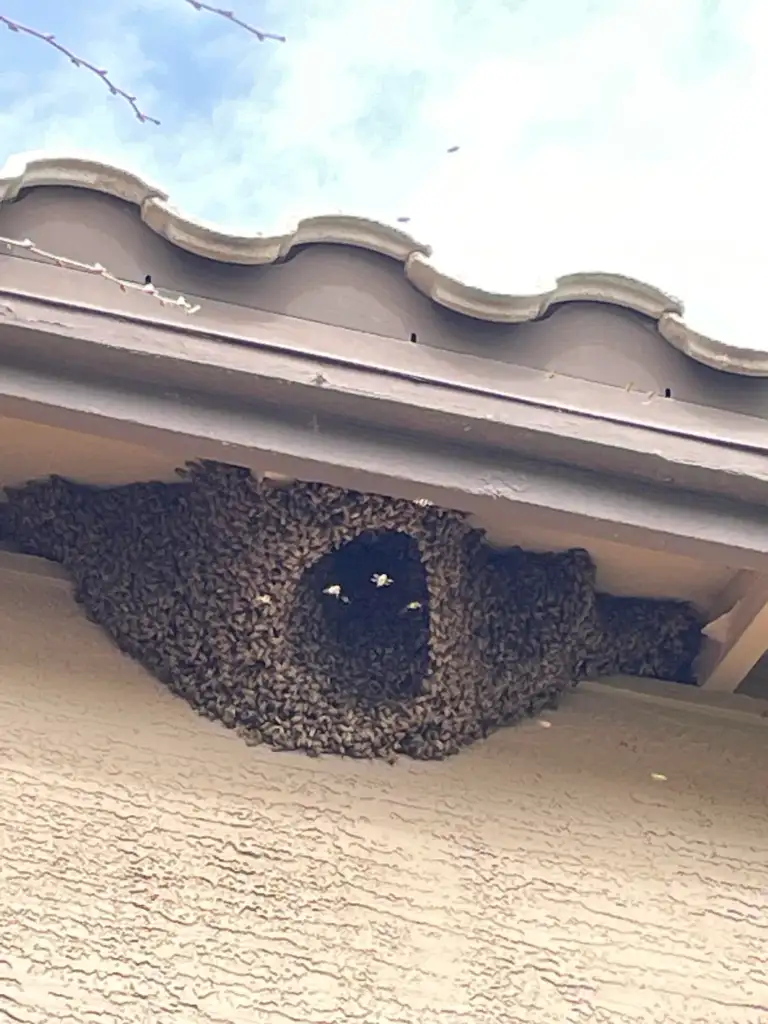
<point x="154" y="868"/>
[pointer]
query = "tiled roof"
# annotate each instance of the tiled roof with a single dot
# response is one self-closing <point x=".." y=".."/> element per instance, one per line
<point x="25" y="171"/>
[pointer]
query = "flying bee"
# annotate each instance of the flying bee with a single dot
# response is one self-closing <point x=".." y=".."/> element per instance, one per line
<point x="412" y="606"/>
<point x="334" y="590"/>
<point x="380" y="579"/>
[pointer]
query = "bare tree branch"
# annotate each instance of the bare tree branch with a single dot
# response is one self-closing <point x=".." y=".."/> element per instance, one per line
<point x="103" y="74"/>
<point x="46" y="37"/>
<point x="27" y="245"/>
<point x="230" y="16"/>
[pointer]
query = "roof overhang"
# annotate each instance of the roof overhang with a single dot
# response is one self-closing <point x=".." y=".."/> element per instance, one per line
<point x="38" y="170"/>
<point x="320" y="402"/>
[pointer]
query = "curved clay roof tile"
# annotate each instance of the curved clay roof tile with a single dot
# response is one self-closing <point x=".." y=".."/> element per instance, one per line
<point x="25" y="171"/>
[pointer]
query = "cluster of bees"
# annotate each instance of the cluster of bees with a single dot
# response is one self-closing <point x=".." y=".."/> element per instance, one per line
<point x="311" y="618"/>
<point x="645" y="637"/>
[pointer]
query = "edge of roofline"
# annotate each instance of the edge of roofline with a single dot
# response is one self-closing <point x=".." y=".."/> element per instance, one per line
<point x="33" y="170"/>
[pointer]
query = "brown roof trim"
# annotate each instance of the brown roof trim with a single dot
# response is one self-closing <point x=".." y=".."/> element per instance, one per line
<point x="348" y="454"/>
<point x="24" y="171"/>
<point x="172" y="387"/>
<point x="53" y="287"/>
<point x="464" y="398"/>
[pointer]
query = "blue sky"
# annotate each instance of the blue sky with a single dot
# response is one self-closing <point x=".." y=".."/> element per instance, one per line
<point x="619" y="135"/>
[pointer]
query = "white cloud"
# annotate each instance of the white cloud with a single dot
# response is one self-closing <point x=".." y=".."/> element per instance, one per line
<point x="621" y="135"/>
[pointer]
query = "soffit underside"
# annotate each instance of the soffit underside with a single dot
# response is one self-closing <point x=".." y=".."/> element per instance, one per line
<point x="32" y="451"/>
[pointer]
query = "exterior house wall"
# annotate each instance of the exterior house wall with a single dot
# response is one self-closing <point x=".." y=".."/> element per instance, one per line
<point x="156" y="868"/>
<point x="364" y="291"/>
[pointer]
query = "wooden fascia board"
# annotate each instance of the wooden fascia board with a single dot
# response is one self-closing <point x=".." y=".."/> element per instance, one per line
<point x="452" y="402"/>
<point x="481" y="481"/>
<point x="737" y="636"/>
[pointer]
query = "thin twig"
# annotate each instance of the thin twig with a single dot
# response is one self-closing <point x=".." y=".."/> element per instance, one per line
<point x="230" y="16"/>
<point x="103" y="74"/>
<point x="46" y="37"/>
<point x="96" y="268"/>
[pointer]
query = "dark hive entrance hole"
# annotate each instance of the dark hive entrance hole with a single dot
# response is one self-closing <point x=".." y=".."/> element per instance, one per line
<point x="363" y="619"/>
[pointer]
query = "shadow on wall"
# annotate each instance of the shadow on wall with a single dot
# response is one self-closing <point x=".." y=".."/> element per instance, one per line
<point x="331" y="621"/>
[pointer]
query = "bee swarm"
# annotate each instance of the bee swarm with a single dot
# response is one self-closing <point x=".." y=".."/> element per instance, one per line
<point x="329" y="621"/>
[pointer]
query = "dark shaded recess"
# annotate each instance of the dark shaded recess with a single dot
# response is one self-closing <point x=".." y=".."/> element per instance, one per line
<point x="372" y="640"/>
<point x="656" y="639"/>
<point x="217" y="584"/>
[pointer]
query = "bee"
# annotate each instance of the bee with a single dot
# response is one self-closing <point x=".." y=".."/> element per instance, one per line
<point x="380" y="579"/>
<point x="334" y="590"/>
<point x="263" y="599"/>
<point x="412" y="606"/>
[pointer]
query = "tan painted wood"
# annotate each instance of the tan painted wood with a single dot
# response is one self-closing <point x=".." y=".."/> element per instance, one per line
<point x="35" y="450"/>
<point x="484" y="474"/>
<point x="737" y="637"/>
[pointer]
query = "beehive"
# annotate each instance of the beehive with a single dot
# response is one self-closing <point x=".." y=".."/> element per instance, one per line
<point x="332" y="621"/>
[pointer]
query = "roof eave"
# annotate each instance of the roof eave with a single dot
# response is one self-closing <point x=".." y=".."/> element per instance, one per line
<point x="36" y="169"/>
<point x="382" y="428"/>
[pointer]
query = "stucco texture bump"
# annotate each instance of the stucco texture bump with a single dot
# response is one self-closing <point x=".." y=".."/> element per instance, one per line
<point x="329" y="621"/>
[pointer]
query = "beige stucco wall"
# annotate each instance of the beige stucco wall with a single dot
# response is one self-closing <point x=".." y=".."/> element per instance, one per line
<point x="155" y="869"/>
